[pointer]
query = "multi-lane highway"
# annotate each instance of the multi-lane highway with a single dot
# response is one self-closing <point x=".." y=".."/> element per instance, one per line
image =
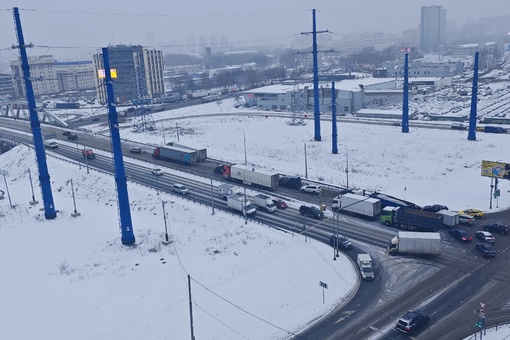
<point x="450" y="287"/>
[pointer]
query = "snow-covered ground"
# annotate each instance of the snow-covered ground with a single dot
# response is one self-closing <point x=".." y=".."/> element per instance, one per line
<point x="72" y="277"/>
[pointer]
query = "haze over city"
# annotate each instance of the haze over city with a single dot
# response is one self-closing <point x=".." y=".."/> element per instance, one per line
<point x="66" y="30"/>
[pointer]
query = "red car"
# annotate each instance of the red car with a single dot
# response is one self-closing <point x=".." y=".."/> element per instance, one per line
<point x="280" y="204"/>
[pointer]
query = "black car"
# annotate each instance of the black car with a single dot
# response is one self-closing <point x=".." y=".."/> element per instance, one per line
<point x="342" y="242"/>
<point x="461" y="235"/>
<point x="486" y="249"/>
<point x="72" y="137"/>
<point x="435" y="207"/>
<point x="496" y="228"/>
<point x="411" y="321"/>
<point x="311" y="211"/>
<point x="66" y="133"/>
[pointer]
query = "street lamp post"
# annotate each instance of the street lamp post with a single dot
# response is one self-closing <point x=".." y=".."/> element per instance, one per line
<point x="166" y="241"/>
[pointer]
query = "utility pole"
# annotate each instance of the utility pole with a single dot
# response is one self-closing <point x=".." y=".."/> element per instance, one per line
<point x="44" y="176"/>
<point x="405" y="104"/>
<point x="128" y="237"/>
<point x="474" y="100"/>
<point x="166" y="241"/>
<point x="316" y="109"/>
<point x="334" y="141"/>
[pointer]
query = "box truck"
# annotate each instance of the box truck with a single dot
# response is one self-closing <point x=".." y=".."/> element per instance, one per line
<point x="415" y="243"/>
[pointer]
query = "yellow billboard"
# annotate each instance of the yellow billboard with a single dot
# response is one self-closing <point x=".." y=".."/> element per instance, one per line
<point x="496" y="169"/>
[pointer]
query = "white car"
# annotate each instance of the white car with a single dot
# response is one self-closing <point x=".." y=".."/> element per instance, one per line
<point x="181" y="189"/>
<point x="157" y="172"/>
<point x="312" y="188"/>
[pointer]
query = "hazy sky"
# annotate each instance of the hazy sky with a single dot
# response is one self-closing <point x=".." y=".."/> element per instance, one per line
<point x="96" y="23"/>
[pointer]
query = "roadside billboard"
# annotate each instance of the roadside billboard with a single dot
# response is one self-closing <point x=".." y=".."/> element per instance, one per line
<point x="496" y="169"/>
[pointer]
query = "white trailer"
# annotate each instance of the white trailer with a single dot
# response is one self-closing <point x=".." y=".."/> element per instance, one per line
<point x="239" y="203"/>
<point x="365" y="266"/>
<point x="417" y="243"/>
<point x="450" y="218"/>
<point x="264" y="202"/>
<point x="225" y="190"/>
<point x="357" y="205"/>
<point x="254" y="177"/>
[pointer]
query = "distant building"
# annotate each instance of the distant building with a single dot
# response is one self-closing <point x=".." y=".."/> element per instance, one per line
<point x="51" y="77"/>
<point x="42" y="73"/>
<point x="6" y="86"/>
<point x="139" y="73"/>
<point x="432" y="28"/>
<point x="75" y="75"/>
<point x="351" y="95"/>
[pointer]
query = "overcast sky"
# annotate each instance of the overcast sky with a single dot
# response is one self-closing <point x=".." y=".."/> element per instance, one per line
<point x="97" y="23"/>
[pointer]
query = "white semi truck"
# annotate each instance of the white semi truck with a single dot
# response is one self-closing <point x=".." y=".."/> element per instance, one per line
<point x="415" y="243"/>
<point x="357" y="205"/>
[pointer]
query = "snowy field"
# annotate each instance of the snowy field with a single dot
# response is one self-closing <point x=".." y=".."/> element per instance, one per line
<point x="249" y="282"/>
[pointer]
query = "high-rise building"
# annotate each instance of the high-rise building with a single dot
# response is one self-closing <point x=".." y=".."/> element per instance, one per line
<point x="432" y="28"/>
<point x="139" y="73"/>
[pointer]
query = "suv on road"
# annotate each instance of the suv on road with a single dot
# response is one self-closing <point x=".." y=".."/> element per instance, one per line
<point x="485" y="236"/>
<point x="312" y="188"/>
<point x="181" y="189"/>
<point x="411" y="321"/>
<point x="496" y="228"/>
<point x="311" y="211"/>
<point x="157" y="172"/>
<point x="135" y="150"/>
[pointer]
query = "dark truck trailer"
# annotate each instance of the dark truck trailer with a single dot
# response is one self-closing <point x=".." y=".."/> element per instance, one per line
<point x="67" y="105"/>
<point x="411" y="219"/>
<point x="290" y="182"/>
<point x="391" y="201"/>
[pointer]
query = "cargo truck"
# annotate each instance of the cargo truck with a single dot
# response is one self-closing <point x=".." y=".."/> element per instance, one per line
<point x="88" y="153"/>
<point x="201" y="153"/>
<point x="225" y="190"/>
<point x="357" y="205"/>
<point x="450" y="218"/>
<point x="251" y="176"/>
<point x="411" y="219"/>
<point x="264" y="202"/>
<point x="291" y="182"/>
<point x="415" y="243"/>
<point x="176" y="154"/>
<point x="241" y="204"/>
<point x="365" y="267"/>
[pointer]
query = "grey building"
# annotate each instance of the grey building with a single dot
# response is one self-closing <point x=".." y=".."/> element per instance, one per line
<point x="6" y="86"/>
<point x="139" y="73"/>
<point x="432" y="28"/>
